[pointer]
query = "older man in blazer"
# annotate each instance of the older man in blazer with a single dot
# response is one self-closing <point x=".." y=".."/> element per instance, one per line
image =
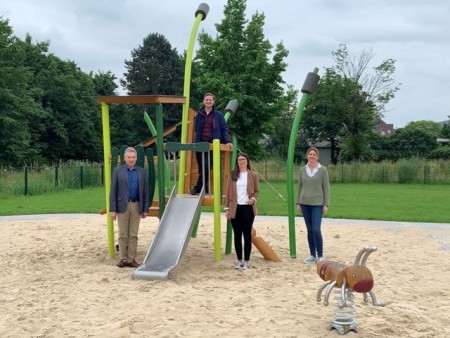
<point x="129" y="202"/>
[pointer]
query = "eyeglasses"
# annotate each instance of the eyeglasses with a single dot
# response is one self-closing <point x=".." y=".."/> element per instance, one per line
<point x="242" y="159"/>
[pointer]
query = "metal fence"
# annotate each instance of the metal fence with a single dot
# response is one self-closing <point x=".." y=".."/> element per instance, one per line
<point x="34" y="180"/>
<point x="403" y="171"/>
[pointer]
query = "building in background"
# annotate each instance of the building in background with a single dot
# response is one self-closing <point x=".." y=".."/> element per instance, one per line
<point x="383" y="128"/>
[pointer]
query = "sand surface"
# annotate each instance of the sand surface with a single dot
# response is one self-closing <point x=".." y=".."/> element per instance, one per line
<point x="58" y="281"/>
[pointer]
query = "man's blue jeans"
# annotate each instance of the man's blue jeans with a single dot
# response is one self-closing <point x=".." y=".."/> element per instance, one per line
<point x="313" y="220"/>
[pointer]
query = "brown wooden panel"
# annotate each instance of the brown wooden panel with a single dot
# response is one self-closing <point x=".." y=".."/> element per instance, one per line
<point x="142" y="99"/>
<point x="208" y="201"/>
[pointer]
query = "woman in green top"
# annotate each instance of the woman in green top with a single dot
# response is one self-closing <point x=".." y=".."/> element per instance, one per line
<point x="312" y="201"/>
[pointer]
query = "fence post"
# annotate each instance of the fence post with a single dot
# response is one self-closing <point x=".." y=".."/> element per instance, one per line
<point x="81" y="176"/>
<point x="265" y="169"/>
<point x="25" y="175"/>
<point x="56" y="174"/>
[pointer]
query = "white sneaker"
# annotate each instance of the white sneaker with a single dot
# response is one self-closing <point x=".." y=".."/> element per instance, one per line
<point x="245" y="266"/>
<point x="320" y="259"/>
<point x="238" y="265"/>
<point x="310" y="260"/>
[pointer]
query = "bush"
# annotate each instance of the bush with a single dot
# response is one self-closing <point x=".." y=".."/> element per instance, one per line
<point x="443" y="152"/>
<point x="408" y="170"/>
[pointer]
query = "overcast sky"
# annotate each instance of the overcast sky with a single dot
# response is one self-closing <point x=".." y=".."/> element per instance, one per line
<point x="99" y="35"/>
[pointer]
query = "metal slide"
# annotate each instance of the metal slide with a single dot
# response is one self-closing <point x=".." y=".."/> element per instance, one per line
<point x="172" y="236"/>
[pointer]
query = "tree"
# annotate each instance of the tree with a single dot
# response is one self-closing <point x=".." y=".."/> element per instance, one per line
<point x="416" y="139"/>
<point x="278" y="142"/>
<point x="347" y="103"/>
<point x="378" y="85"/>
<point x="104" y="83"/>
<point x="412" y="142"/>
<point x="36" y="61"/>
<point x="15" y="100"/>
<point x="440" y="153"/>
<point x="122" y="128"/>
<point x="434" y="129"/>
<point x="48" y="108"/>
<point x="155" y="69"/>
<point x="445" y="132"/>
<point x="240" y="63"/>
<point x="72" y="126"/>
<point x="323" y="115"/>
<point x="336" y="113"/>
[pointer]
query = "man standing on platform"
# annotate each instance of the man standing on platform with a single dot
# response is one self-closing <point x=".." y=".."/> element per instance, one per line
<point x="209" y="124"/>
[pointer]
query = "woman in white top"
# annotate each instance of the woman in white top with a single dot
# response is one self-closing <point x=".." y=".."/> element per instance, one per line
<point x="240" y="206"/>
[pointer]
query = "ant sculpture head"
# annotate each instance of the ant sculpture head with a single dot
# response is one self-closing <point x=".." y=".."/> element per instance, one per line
<point x="357" y="277"/>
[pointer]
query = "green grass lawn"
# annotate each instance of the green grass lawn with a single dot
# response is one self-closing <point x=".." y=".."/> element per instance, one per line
<point x="68" y="201"/>
<point x="390" y="202"/>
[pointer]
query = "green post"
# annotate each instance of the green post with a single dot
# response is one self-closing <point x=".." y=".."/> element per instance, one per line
<point x="150" y="125"/>
<point x="229" y="234"/>
<point x="153" y="131"/>
<point x="160" y="153"/>
<point x="151" y="175"/>
<point x="308" y="88"/>
<point x="200" y="15"/>
<point x="230" y="110"/>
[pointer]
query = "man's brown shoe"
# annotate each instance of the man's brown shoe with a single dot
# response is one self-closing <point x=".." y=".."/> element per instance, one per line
<point x="121" y="264"/>
<point x="133" y="264"/>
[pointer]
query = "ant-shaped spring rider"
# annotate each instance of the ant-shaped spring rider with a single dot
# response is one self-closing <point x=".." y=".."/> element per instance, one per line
<point x="346" y="280"/>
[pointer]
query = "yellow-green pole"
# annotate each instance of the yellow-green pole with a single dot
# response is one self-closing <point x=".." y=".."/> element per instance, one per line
<point x="107" y="173"/>
<point x="217" y="227"/>
<point x="200" y="15"/>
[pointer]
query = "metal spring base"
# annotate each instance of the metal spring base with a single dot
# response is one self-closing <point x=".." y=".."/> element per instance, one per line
<point x="344" y="316"/>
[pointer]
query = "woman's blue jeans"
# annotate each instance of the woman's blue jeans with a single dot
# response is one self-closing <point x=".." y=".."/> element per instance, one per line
<point x="312" y="215"/>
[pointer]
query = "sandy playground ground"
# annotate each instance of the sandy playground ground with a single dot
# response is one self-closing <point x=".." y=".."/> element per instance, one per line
<point x="59" y="281"/>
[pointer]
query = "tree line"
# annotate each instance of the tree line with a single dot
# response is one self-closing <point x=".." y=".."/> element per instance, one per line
<point x="48" y="108"/>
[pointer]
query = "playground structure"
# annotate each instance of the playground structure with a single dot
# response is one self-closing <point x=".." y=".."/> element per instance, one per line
<point x="179" y="218"/>
<point x="347" y="279"/>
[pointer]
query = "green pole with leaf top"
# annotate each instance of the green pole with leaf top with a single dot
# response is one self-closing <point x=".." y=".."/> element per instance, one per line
<point x="200" y="15"/>
<point x="309" y="86"/>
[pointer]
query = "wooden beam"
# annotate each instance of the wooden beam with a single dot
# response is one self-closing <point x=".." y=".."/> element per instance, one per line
<point x="142" y="99"/>
<point x="148" y="142"/>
